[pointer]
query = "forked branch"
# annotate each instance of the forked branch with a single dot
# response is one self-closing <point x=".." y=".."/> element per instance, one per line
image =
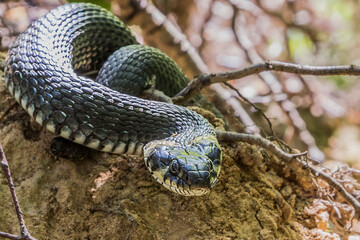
<point x="23" y="230"/>
<point x="204" y="80"/>
<point x="299" y="157"/>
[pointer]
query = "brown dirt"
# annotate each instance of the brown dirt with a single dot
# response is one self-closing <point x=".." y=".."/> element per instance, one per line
<point x="114" y="197"/>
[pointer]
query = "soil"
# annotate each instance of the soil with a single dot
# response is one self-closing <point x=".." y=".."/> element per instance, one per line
<point x="106" y="196"/>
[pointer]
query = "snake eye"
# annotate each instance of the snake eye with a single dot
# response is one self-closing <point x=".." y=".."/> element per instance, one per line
<point x="174" y="167"/>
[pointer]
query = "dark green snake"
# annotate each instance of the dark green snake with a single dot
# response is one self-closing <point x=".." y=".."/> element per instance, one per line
<point x="45" y="72"/>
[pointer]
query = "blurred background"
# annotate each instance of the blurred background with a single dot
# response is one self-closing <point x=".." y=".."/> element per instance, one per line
<point x="318" y="114"/>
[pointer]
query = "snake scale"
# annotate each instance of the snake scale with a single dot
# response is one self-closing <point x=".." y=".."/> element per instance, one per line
<point x="46" y="72"/>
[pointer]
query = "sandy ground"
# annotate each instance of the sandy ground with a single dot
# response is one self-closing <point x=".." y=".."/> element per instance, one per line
<point x="104" y="196"/>
<point x="109" y="197"/>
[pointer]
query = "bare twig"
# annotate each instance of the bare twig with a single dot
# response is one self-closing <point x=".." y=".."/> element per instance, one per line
<point x="237" y="117"/>
<point x="9" y="236"/>
<point x="259" y="141"/>
<point x="163" y="34"/>
<point x="23" y="230"/>
<point x="286" y="105"/>
<point x="271" y="147"/>
<point x="204" y="80"/>
<point x="354" y="171"/>
<point x="334" y="183"/>
<point x="254" y="106"/>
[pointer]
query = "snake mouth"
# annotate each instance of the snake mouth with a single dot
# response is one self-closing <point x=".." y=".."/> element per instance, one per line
<point x="178" y="186"/>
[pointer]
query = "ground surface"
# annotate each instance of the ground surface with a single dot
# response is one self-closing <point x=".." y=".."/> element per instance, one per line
<point x="108" y="196"/>
<point x="105" y="196"/>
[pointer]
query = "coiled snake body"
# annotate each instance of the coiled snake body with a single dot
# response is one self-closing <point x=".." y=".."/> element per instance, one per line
<point x="45" y="72"/>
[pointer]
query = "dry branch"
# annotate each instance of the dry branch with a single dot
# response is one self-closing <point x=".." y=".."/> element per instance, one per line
<point x="207" y="79"/>
<point x="259" y="141"/>
<point x="254" y="106"/>
<point x="276" y="87"/>
<point x="23" y="230"/>
<point x="9" y="236"/>
<point x="335" y="184"/>
<point x="301" y="158"/>
<point x="204" y="80"/>
<point x="165" y="35"/>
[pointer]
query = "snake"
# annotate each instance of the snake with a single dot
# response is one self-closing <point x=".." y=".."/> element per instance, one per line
<point x="79" y="72"/>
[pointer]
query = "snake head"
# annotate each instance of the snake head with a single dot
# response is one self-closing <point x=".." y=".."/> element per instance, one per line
<point x="188" y="170"/>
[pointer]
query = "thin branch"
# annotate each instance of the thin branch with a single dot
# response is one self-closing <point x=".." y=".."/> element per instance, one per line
<point x="254" y="106"/>
<point x="286" y="105"/>
<point x="354" y="171"/>
<point x="5" y="167"/>
<point x="204" y="80"/>
<point x="9" y="236"/>
<point x="235" y="115"/>
<point x="154" y="24"/>
<point x="271" y="147"/>
<point x="259" y="141"/>
<point x="333" y="182"/>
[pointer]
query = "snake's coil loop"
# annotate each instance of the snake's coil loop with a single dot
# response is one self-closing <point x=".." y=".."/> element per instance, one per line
<point x="45" y="72"/>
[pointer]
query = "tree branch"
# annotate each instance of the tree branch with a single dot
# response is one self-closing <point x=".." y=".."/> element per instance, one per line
<point x="254" y="106"/>
<point x="23" y="230"/>
<point x="9" y="236"/>
<point x="271" y="147"/>
<point x="259" y="141"/>
<point x="334" y="183"/>
<point x="204" y="80"/>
